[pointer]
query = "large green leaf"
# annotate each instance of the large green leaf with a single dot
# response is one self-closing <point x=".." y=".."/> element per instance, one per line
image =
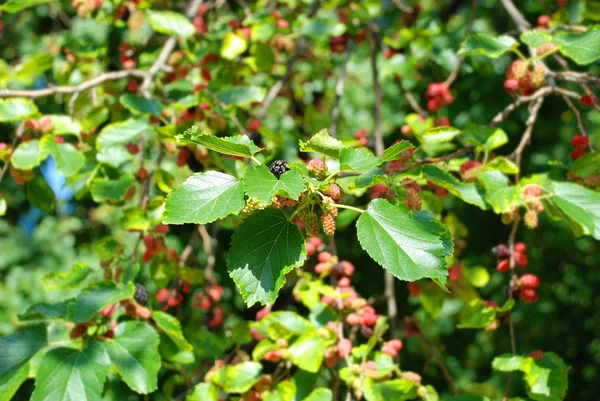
<point x="141" y="105"/>
<point x="67" y="280"/>
<point x="40" y="194"/>
<point x="172" y="328"/>
<point x="239" y="145"/>
<point x="134" y="353"/>
<point x="204" y="198"/>
<point x="28" y="155"/>
<point x="498" y="191"/>
<point x="469" y="193"/>
<point x="322" y="143"/>
<point x="587" y="165"/>
<point x="358" y="159"/>
<point x="397" y="390"/>
<point x="11" y="386"/>
<point x="18" y="348"/>
<point x="204" y="392"/>
<point x="583" y="48"/>
<point x="45" y="310"/>
<point x="17" y="109"/>
<point x="111" y="140"/>
<point x="68" y="374"/>
<point x="111" y="190"/>
<point x="404" y="245"/>
<point x="241" y="95"/>
<point x="238" y="378"/>
<point x="96" y="297"/>
<point x="171" y="23"/>
<point x="547" y="379"/>
<point x="579" y="206"/>
<point x="264" y="248"/>
<point x="261" y="184"/>
<point x="68" y="159"/>
<point x="488" y="45"/>
<point x="307" y="351"/>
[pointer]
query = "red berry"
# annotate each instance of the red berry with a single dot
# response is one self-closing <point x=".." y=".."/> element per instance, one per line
<point x="3" y="146"/>
<point x="577" y="153"/>
<point x="282" y="23"/>
<point x="354" y="320"/>
<point x="343" y="282"/>
<point x="324" y="257"/>
<point x="369" y="319"/>
<point x="543" y="20"/>
<point x="173" y="301"/>
<point x="142" y="173"/>
<point x="150" y="242"/>
<point x="520" y="247"/>
<point x="469" y="165"/>
<point x="395" y="344"/>
<point x="262" y="313"/>
<point x="511" y="85"/>
<point x="528" y="295"/>
<point x="182" y="157"/>
<point x="162" y="295"/>
<point x="254" y="125"/>
<point x="161" y="229"/>
<point x="387" y="349"/>
<point x="321" y="268"/>
<point x="587" y="100"/>
<point x="503" y="266"/>
<point x="344" y="348"/>
<point x="215" y="292"/>
<point x="580" y="141"/>
<point x="132" y="148"/>
<point x="310" y="249"/>
<point x="521" y="259"/>
<point x="455" y="272"/>
<point x="414" y="288"/>
<point x="529" y="280"/>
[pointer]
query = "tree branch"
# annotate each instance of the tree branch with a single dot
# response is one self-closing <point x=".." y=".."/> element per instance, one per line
<point x="461" y="59"/>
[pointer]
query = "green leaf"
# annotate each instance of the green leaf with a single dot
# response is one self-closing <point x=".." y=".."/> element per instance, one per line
<point x="401" y="243"/>
<point x="283" y="324"/>
<point x="16" y="109"/>
<point x="70" y="374"/>
<point x="307" y="351"/>
<point x="40" y="194"/>
<point x="536" y="37"/>
<point x="172" y="328"/>
<point x="576" y="204"/>
<point x="507" y="362"/>
<point x="238" y="378"/>
<point x="503" y="165"/>
<point x="141" y="105"/>
<point x="18" y="348"/>
<point x="68" y="159"/>
<point x="45" y="310"/>
<point x="488" y="45"/>
<point x="95" y="297"/>
<point x="204" y="392"/>
<point x="547" y="379"/>
<point x="432" y="300"/>
<point x="204" y="198"/>
<point x="358" y="159"/>
<point x="111" y="190"/>
<point x="164" y="180"/>
<point x="233" y="45"/>
<point x="64" y="125"/>
<point x="28" y="155"/>
<point x="2" y="207"/>
<point x="322" y="143"/>
<point x="320" y="27"/>
<point x="476" y="315"/>
<point x="134" y="218"/>
<point x="241" y="95"/>
<point x="583" y="48"/>
<point x="171" y="23"/>
<point x="8" y="389"/>
<point x="469" y="193"/>
<point x="67" y="280"/>
<point x="264" y="248"/>
<point x="478" y="276"/>
<point x="587" y="165"/>
<point x="439" y="135"/>
<point x="111" y="140"/>
<point x="261" y="184"/>
<point x="498" y="191"/>
<point x="395" y="151"/>
<point x="239" y="145"/>
<point x="397" y="390"/>
<point x="469" y="398"/>
<point x="320" y="394"/>
<point x="134" y="353"/>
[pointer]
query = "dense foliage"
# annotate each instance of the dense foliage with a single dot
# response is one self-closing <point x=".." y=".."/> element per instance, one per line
<point x="288" y="200"/>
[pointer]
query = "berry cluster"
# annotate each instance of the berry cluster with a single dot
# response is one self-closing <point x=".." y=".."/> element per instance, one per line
<point x="528" y="283"/>
<point x="173" y="296"/>
<point x="533" y="203"/>
<point x="469" y="170"/>
<point x="381" y="191"/>
<point x="278" y="167"/>
<point x="502" y="253"/>
<point x="525" y="77"/>
<point x="156" y="244"/>
<point x="317" y="168"/>
<point x="362" y="136"/>
<point x="438" y="95"/>
<point x="580" y="144"/>
<point x="412" y="195"/>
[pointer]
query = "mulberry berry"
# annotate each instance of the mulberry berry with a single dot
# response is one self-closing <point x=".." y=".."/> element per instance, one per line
<point x="328" y="223"/>
<point x="580" y="141"/>
<point x="278" y="167"/>
<point x="311" y="225"/>
<point x="528" y="295"/>
<point x="545" y="48"/>
<point x="531" y="219"/>
<point x="501" y="251"/>
<point x="141" y="294"/>
<point x="529" y="280"/>
<point x="334" y="192"/>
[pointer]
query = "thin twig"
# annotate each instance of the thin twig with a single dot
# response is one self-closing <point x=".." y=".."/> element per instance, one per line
<point x="189" y="248"/>
<point x="461" y="59"/>
<point x="207" y="242"/>
<point x="578" y="118"/>
<point x="522" y="24"/>
<point x="412" y="101"/>
<point x="526" y="138"/>
<point x="339" y="92"/>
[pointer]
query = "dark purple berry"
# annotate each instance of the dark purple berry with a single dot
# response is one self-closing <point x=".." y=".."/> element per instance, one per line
<point x="256" y="138"/>
<point x="141" y="294"/>
<point x="278" y="167"/>
<point x="501" y="251"/>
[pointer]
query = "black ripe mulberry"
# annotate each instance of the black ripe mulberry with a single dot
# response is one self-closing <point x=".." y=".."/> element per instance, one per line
<point x="141" y="294"/>
<point x="278" y="167"/>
